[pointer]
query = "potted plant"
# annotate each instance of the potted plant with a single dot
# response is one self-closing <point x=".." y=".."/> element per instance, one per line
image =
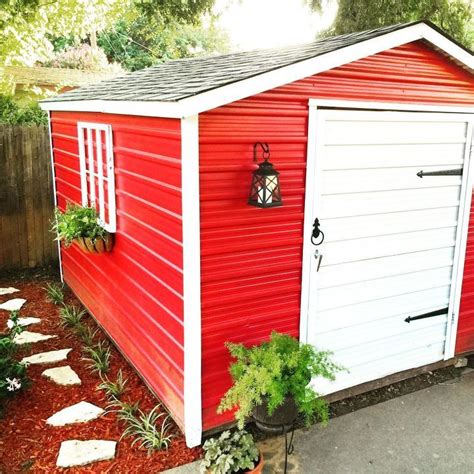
<point x="231" y="452"/>
<point x="80" y="225"/>
<point x="271" y="382"/>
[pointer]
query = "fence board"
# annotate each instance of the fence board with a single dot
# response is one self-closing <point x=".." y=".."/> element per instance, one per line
<point x="26" y="198"/>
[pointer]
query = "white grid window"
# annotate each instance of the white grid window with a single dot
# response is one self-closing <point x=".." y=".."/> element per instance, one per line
<point x="97" y="171"/>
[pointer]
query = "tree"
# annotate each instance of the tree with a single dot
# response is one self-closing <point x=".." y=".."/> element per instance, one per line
<point x="455" y="17"/>
<point x="27" y="26"/>
<point x="148" y="40"/>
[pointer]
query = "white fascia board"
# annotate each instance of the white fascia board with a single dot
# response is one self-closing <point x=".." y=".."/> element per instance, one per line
<point x="191" y="280"/>
<point x="269" y="80"/>
<point x="125" y="107"/>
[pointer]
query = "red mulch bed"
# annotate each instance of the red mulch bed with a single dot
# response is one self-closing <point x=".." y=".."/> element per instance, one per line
<point x="27" y="444"/>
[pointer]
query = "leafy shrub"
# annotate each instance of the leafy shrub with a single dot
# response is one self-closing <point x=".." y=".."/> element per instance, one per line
<point x="274" y="370"/>
<point x="77" y="221"/>
<point x="231" y="452"/>
<point x="85" y="58"/>
<point x="12" y="373"/>
<point x="146" y="429"/>
<point x="55" y="293"/>
<point x="11" y="113"/>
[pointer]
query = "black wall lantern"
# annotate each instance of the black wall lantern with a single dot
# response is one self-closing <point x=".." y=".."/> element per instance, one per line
<point x="265" y="189"/>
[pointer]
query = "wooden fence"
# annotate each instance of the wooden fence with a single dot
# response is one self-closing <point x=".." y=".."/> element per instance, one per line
<point x="26" y="198"/>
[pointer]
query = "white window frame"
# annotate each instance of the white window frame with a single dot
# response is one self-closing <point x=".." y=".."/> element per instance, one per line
<point x="89" y="173"/>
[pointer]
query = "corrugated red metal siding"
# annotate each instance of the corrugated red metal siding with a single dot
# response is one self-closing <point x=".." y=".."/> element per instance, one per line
<point x="136" y="291"/>
<point x="251" y="258"/>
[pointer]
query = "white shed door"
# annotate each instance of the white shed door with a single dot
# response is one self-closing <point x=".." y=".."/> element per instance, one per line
<point x="391" y="238"/>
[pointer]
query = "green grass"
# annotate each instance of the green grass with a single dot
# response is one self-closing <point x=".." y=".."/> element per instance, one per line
<point x="54" y="293"/>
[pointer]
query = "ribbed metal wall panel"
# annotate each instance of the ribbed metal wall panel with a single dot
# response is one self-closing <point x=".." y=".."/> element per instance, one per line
<point x="251" y="258"/>
<point x="136" y="291"/>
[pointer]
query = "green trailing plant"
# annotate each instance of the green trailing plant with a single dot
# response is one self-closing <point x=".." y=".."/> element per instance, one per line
<point x="13" y="376"/>
<point x="113" y="390"/>
<point x="230" y="452"/>
<point x="150" y="430"/>
<point x="71" y="316"/>
<point x="98" y="357"/>
<point x="77" y="221"/>
<point x="55" y="293"/>
<point x="272" y="371"/>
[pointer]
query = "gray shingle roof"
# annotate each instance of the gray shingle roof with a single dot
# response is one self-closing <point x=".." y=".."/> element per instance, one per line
<point x="179" y="79"/>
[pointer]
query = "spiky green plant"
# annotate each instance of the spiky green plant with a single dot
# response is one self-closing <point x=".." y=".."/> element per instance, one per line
<point x="54" y="293"/>
<point x="113" y="390"/>
<point x="150" y="430"/>
<point x="87" y="334"/>
<point x="71" y="316"/>
<point x="123" y="410"/>
<point x="98" y="357"/>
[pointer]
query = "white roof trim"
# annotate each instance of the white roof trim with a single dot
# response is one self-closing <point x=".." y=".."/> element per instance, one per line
<point x="269" y="80"/>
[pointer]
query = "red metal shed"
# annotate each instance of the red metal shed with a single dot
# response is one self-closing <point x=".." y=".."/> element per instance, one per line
<point x="350" y="122"/>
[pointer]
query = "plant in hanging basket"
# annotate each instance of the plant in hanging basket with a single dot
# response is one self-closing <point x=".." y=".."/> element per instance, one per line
<point x="80" y="225"/>
<point x="271" y="382"/>
<point x="231" y="452"/>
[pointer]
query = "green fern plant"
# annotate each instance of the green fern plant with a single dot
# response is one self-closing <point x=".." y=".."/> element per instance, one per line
<point x="71" y="316"/>
<point x="113" y="390"/>
<point x="98" y="357"/>
<point x="274" y="370"/>
<point x="150" y="430"/>
<point x="54" y="293"/>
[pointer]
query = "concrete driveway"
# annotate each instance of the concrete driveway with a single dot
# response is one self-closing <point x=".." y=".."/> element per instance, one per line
<point x="430" y="431"/>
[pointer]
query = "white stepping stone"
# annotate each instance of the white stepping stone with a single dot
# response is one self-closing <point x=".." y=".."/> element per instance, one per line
<point x="79" y="413"/>
<point x="28" y="321"/>
<point x="13" y="305"/>
<point x="27" y="337"/>
<point x="79" y="453"/>
<point x="62" y="375"/>
<point x="8" y="291"/>
<point x="49" y="357"/>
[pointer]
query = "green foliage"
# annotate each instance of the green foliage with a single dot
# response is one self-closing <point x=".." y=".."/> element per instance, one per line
<point x="71" y="316"/>
<point x="455" y="17"/>
<point x="54" y="293"/>
<point x="13" y="376"/>
<point x="273" y="370"/>
<point x="230" y="452"/>
<point x="77" y="221"/>
<point x="148" y="40"/>
<point x="87" y="334"/>
<point x="12" y="113"/>
<point x="149" y="430"/>
<point x="98" y="357"/>
<point x="113" y="390"/>
<point x="123" y="410"/>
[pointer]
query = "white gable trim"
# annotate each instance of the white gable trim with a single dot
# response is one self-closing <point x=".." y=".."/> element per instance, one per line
<point x="191" y="280"/>
<point x="269" y="80"/>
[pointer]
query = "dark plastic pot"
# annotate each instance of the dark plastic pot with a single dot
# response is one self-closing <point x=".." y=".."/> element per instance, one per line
<point x="282" y="418"/>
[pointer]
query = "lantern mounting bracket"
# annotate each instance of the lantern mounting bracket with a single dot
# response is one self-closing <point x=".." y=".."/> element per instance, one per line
<point x="265" y="148"/>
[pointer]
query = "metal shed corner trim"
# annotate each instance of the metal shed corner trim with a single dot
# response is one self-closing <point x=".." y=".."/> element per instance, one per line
<point x="191" y="279"/>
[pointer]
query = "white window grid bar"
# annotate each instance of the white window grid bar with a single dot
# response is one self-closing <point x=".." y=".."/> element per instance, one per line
<point x="89" y="174"/>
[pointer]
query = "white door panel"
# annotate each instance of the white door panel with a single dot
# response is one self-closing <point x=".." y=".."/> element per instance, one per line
<point x="390" y="239"/>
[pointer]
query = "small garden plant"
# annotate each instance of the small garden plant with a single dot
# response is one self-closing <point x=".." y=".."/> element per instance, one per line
<point x="12" y="373"/>
<point x="230" y="452"/>
<point x="71" y="316"/>
<point x="75" y="222"/>
<point x="148" y="429"/>
<point x="55" y="293"/>
<point x="274" y="370"/>
<point x="98" y="357"/>
<point x="113" y="390"/>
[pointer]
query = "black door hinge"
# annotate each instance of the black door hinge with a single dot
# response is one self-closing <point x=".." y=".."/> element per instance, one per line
<point x="438" y="312"/>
